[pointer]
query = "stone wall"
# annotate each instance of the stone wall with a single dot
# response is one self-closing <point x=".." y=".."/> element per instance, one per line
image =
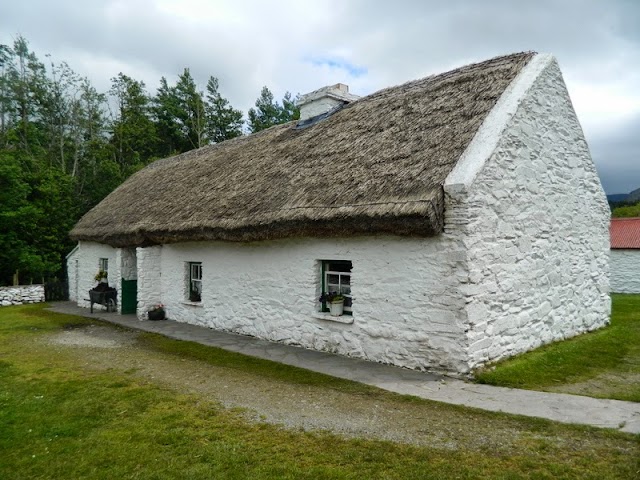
<point x="407" y="309"/>
<point x="537" y="225"/>
<point x="625" y="271"/>
<point x="21" y="294"/>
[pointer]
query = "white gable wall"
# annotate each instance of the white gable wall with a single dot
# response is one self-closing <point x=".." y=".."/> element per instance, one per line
<point x="73" y="264"/>
<point x="538" y="230"/>
<point x="625" y="270"/>
<point x="407" y="309"/>
<point x="88" y="256"/>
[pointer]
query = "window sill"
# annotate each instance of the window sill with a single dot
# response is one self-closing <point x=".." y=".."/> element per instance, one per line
<point x="347" y="319"/>
<point x="192" y="304"/>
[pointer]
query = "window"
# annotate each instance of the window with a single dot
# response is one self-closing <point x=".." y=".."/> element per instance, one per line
<point x="195" y="281"/>
<point x="103" y="265"/>
<point x="336" y="278"/>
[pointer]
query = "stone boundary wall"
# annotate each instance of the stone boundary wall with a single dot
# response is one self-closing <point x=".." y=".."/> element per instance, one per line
<point x="21" y="294"/>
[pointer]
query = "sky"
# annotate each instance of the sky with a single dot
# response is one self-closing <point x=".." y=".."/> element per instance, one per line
<point x="302" y="45"/>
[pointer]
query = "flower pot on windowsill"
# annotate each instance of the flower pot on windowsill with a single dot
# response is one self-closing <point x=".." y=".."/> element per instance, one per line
<point x="335" y="302"/>
<point x="336" y="308"/>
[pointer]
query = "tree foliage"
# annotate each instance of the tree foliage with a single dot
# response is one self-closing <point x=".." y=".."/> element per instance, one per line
<point x="64" y="145"/>
<point x="268" y="112"/>
<point x="626" y="211"/>
<point x="223" y="121"/>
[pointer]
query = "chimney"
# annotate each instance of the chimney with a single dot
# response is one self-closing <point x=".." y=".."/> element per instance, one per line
<point x="324" y="100"/>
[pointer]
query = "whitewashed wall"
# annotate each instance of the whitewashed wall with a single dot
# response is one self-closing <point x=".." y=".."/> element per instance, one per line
<point x="538" y="231"/>
<point x="625" y="271"/>
<point x="406" y="311"/>
<point x="72" y="277"/>
<point x="150" y="286"/>
<point x="88" y="256"/>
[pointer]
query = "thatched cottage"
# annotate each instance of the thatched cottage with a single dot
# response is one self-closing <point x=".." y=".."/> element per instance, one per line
<point x="461" y="216"/>
<point x="625" y="255"/>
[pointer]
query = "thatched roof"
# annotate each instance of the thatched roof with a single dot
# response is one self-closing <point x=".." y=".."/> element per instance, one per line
<point x="376" y="166"/>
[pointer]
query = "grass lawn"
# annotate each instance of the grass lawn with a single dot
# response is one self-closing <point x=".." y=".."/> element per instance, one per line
<point x="61" y="419"/>
<point x="604" y="363"/>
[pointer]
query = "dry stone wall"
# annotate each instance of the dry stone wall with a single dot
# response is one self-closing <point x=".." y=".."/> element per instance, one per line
<point x="21" y="294"/>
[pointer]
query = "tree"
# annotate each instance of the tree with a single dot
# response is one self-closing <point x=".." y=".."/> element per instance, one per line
<point x="180" y="115"/>
<point x="58" y="103"/>
<point x="37" y="210"/>
<point x="290" y="109"/>
<point x="26" y="77"/>
<point x="133" y="131"/>
<point x="626" y="211"/>
<point x="165" y="112"/>
<point x="267" y="112"/>
<point x="6" y="56"/>
<point x="223" y="121"/>
<point x="191" y="111"/>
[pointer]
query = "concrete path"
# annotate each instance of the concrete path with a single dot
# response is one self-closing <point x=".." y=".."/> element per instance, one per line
<point x="623" y="416"/>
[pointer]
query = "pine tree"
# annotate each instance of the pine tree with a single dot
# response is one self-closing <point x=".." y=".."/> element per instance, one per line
<point x="133" y="131"/>
<point x="269" y="112"/>
<point x="223" y="121"/>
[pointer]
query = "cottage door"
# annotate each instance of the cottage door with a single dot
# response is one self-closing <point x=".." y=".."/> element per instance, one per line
<point x="129" y="285"/>
<point x="129" y="296"/>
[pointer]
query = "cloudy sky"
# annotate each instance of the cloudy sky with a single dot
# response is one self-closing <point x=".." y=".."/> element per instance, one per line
<point x="302" y="45"/>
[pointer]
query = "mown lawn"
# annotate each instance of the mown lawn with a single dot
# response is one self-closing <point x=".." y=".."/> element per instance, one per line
<point x="60" y="419"/>
<point x="604" y="363"/>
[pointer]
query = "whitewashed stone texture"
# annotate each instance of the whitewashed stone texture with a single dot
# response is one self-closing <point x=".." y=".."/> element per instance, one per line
<point x="21" y="294"/>
<point x="536" y="231"/>
<point x="625" y="271"/>
<point x="88" y="256"/>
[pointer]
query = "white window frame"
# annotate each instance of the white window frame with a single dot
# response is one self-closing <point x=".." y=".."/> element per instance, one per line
<point x="341" y="286"/>
<point x="194" y="279"/>
<point x="103" y="265"/>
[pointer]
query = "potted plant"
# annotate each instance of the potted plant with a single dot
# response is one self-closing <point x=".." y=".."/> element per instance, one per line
<point x="335" y="302"/>
<point x="157" y="312"/>
<point x="101" y="276"/>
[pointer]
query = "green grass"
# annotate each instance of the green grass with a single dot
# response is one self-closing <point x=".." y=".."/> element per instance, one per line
<point x="264" y="368"/>
<point x="607" y="359"/>
<point x="62" y="420"/>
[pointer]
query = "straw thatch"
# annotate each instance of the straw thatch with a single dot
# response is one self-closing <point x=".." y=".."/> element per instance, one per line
<point x="376" y="166"/>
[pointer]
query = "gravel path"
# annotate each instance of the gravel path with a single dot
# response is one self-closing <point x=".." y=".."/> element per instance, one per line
<point x="294" y="406"/>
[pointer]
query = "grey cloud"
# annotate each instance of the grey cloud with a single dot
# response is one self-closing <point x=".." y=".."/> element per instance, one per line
<point x="617" y="157"/>
<point x="595" y="42"/>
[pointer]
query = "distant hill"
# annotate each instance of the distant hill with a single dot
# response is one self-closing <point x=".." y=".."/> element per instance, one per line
<point x="633" y="197"/>
<point x="617" y="197"/>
